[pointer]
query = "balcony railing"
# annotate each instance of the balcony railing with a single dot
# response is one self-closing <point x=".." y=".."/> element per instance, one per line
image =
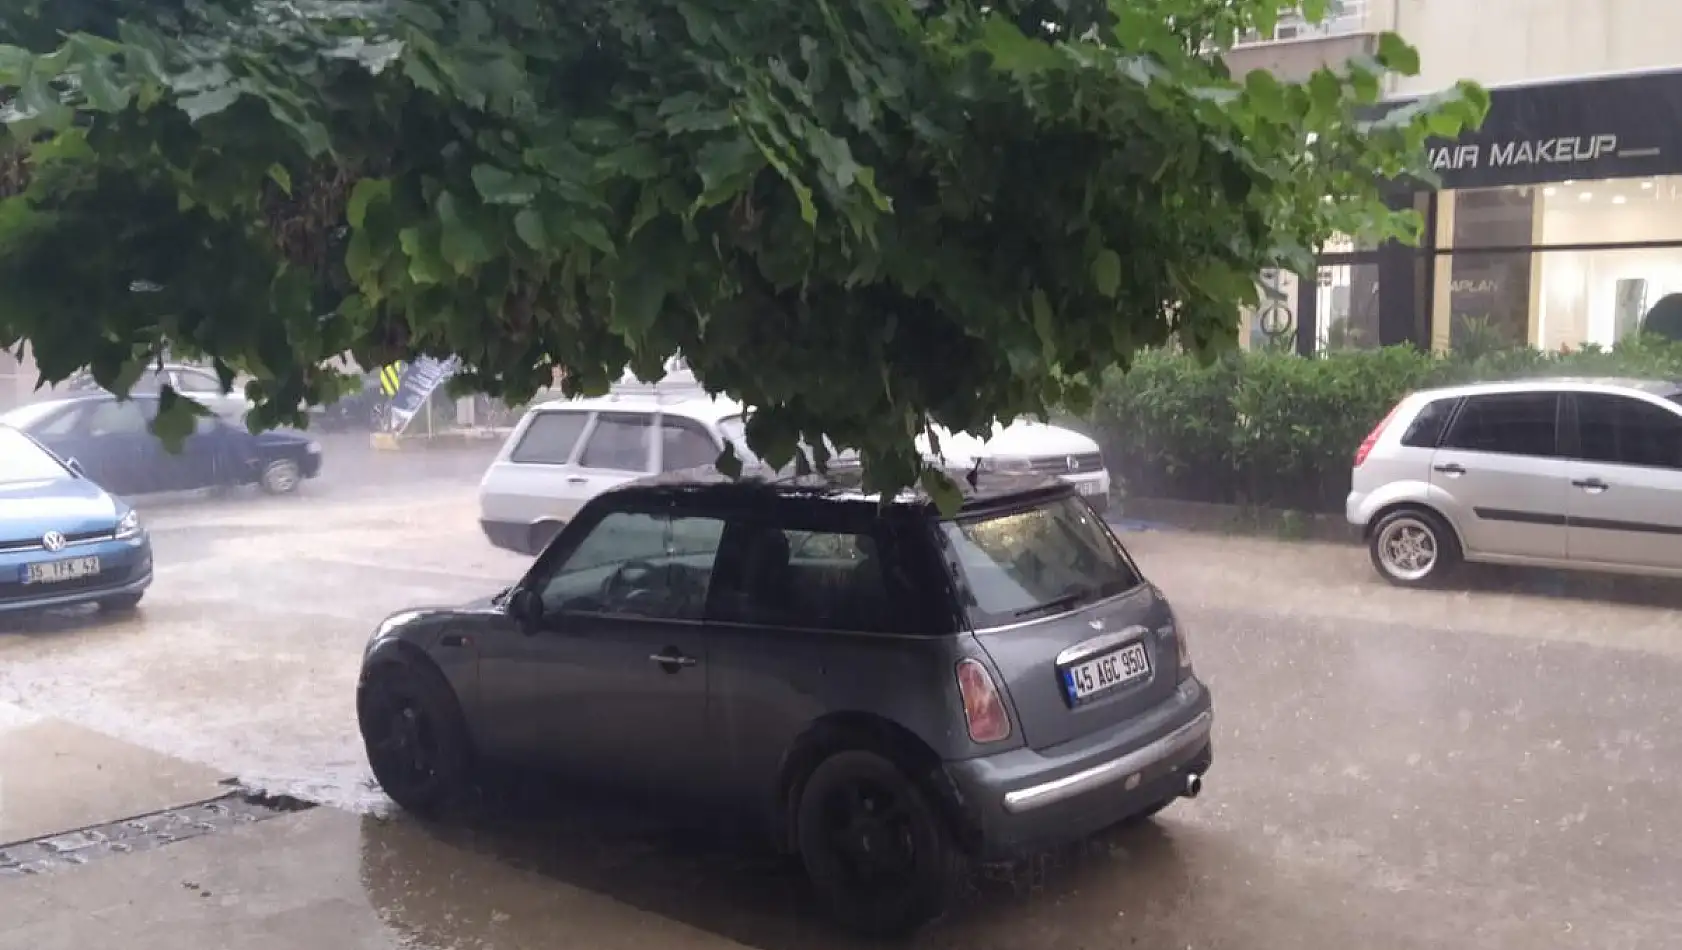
<point x="1346" y="17"/>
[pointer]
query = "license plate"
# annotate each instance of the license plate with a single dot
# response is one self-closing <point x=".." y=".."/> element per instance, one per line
<point x="1090" y="488"/>
<point x="53" y="572"/>
<point x="1116" y="668"/>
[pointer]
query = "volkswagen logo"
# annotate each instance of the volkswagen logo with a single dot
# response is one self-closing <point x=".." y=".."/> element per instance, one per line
<point x="53" y="541"/>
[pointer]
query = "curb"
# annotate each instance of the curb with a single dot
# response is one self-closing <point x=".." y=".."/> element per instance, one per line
<point x="1165" y="514"/>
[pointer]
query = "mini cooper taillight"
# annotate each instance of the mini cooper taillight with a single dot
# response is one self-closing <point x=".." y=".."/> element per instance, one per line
<point x="984" y="710"/>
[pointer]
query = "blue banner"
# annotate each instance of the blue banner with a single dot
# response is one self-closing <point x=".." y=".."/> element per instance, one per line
<point x="421" y="378"/>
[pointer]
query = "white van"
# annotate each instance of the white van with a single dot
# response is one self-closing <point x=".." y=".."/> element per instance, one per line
<point x="566" y="452"/>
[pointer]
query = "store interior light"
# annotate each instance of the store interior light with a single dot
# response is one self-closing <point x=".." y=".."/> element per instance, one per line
<point x="1550" y="191"/>
<point x="1586" y="196"/>
<point x="1647" y="185"/>
<point x="1619" y="199"/>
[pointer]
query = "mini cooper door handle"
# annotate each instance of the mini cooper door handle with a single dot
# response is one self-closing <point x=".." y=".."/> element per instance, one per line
<point x="673" y="658"/>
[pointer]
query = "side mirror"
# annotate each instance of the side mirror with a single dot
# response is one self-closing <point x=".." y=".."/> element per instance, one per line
<point x="75" y="468"/>
<point x="526" y="606"/>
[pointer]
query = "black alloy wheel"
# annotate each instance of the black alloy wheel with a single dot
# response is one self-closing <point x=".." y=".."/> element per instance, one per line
<point x="415" y="737"/>
<point x="879" y="854"/>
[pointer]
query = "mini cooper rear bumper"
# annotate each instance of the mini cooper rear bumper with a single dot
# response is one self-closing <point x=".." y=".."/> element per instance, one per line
<point x="1026" y="800"/>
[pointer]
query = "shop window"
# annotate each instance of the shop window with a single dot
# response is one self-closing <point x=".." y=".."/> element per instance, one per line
<point x="1348" y="306"/>
<point x="1554" y="266"/>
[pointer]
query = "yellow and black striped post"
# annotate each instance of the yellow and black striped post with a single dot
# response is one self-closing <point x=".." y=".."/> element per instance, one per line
<point x="391" y="377"/>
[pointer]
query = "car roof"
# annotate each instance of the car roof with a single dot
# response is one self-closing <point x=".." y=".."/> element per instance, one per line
<point x="689" y="405"/>
<point x="839" y="485"/>
<point x="1652" y="387"/>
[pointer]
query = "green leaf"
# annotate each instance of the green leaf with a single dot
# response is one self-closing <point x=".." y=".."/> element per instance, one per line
<point x="727" y="164"/>
<point x="1106" y="272"/>
<point x="176" y="419"/>
<point x="636" y="305"/>
<point x="942" y="490"/>
<point x="1014" y="52"/>
<point x="528" y="224"/>
<point x="201" y="105"/>
<point x="367" y="192"/>
<point x="1396" y="55"/>
<point x="501" y="187"/>
<point x="280" y="176"/>
<point x="460" y="243"/>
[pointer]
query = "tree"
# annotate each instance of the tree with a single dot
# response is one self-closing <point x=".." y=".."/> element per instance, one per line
<point x="857" y="217"/>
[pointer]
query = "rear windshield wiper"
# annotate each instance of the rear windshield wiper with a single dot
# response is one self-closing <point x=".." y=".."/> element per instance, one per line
<point x="1065" y="601"/>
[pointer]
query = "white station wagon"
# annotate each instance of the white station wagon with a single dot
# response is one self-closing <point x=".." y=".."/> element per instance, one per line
<point x="566" y="452"/>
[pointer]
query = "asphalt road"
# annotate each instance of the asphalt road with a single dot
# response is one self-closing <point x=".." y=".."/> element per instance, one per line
<point x="1493" y="767"/>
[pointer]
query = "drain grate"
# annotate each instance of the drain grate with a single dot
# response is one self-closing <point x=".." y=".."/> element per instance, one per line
<point x="68" y="849"/>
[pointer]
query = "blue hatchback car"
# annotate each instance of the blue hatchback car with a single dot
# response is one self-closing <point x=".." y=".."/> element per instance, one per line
<point x="63" y="539"/>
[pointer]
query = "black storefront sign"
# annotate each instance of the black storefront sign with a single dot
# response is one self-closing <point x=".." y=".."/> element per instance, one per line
<point x="1625" y="126"/>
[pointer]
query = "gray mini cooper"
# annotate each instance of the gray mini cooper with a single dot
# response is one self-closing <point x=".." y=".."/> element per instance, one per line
<point x="890" y="693"/>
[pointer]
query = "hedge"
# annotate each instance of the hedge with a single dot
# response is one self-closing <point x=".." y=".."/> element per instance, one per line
<point x="1273" y="429"/>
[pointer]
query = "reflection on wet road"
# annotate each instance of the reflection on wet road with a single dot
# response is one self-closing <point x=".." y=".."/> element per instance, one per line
<point x="1393" y="770"/>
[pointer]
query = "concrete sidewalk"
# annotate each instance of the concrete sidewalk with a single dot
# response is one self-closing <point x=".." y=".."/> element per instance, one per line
<point x="321" y="878"/>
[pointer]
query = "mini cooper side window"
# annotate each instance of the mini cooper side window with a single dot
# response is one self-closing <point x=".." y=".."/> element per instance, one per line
<point x="815" y="580"/>
<point x="635" y="564"/>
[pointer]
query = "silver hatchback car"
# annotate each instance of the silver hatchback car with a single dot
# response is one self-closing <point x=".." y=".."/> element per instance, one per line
<point x="1561" y="473"/>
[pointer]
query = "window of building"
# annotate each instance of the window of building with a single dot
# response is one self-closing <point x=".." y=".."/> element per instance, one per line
<point x="620" y="442"/>
<point x="1507" y="424"/>
<point x="550" y="438"/>
<point x="1558" y="266"/>
<point x="1624" y="431"/>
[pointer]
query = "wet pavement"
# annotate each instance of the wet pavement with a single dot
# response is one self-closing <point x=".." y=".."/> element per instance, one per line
<point x="1490" y="767"/>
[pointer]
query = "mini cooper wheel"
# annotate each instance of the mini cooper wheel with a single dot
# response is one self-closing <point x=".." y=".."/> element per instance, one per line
<point x="1413" y="547"/>
<point x="415" y="736"/>
<point x="281" y="477"/>
<point x="880" y="856"/>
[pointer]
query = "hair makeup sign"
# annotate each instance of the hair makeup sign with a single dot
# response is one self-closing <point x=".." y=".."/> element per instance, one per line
<point x="1606" y="127"/>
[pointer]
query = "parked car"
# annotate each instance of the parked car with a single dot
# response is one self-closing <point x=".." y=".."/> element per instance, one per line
<point x="63" y="539"/>
<point x="563" y="453"/>
<point x="889" y="693"/>
<point x="112" y="442"/>
<point x="196" y="382"/>
<point x="1562" y="473"/>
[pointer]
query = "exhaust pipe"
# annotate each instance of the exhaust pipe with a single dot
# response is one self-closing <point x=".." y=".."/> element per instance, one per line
<point x="1194" y="786"/>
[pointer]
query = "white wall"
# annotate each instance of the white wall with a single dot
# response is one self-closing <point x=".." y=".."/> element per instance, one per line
<point x="1504" y="41"/>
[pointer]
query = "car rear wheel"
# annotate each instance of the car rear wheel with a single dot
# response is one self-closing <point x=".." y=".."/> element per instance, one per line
<point x="878" y="853"/>
<point x="122" y="603"/>
<point x="1413" y="547"/>
<point x="281" y="477"/>
<point x="415" y="736"/>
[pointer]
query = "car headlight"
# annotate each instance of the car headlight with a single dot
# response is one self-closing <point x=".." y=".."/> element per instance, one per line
<point x="129" y="526"/>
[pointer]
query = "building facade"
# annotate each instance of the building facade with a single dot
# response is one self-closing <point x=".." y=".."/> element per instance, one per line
<point x="1557" y="224"/>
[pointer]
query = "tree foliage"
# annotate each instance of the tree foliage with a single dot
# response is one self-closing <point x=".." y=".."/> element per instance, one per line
<point x="857" y="217"/>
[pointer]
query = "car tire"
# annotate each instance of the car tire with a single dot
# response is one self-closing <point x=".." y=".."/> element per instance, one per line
<point x="121" y="603"/>
<point x="1413" y="547"/>
<point x="841" y="788"/>
<point x="281" y="477"/>
<point x="415" y="736"/>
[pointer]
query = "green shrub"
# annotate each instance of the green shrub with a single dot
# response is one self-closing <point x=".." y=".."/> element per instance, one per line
<point x="1276" y="429"/>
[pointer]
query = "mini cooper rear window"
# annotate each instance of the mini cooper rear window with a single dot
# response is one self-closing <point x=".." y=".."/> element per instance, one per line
<point x="1030" y="562"/>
